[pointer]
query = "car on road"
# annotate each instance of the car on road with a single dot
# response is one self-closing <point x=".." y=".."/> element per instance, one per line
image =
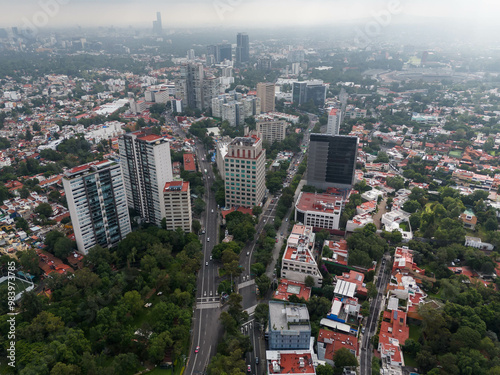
<point x="197" y="349"/>
<point x="276" y="240"/>
<point x="248" y="253"/>
<point x="281" y="233"/>
<point x="206" y="263"/>
<point x="256" y="360"/>
<point x="208" y="239"/>
<point x="249" y="368"/>
<point x="212" y="210"/>
<point x="286" y="219"/>
<point x="203" y="231"/>
<point x="210" y="257"/>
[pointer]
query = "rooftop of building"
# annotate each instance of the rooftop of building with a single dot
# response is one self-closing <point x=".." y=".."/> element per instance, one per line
<point x="89" y="167"/>
<point x="396" y="331"/>
<point x="189" y="164"/>
<point x="319" y="203"/>
<point x="287" y="288"/>
<point x="288" y="316"/>
<point x="336" y="340"/>
<point x="290" y="362"/>
<point x="150" y="138"/>
<point x="176" y="186"/>
<point x="244" y="141"/>
<point x="333" y="112"/>
<point x="345" y="288"/>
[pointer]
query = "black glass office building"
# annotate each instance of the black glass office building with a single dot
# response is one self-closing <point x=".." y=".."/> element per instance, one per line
<point x="331" y="161"/>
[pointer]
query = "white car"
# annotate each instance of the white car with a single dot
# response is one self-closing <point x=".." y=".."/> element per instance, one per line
<point x="208" y="239"/>
<point x="206" y="263"/>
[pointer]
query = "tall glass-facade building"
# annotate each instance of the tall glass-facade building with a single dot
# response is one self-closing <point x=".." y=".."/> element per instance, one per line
<point x="97" y="204"/>
<point x="331" y="161"/>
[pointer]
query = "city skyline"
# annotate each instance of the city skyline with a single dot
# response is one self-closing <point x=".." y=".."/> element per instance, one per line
<point x="61" y="13"/>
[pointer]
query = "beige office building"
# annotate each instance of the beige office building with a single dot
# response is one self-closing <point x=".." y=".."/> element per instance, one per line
<point x="272" y="130"/>
<point x="177" y="205"/>
<point x="266" y="93"/>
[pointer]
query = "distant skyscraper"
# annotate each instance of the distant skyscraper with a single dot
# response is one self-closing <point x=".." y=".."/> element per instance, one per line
<point x="242" y="48"/>
<point x="193" y="88"/>
<point x="157" y="26"/>
<point x="304" y="91"/>
<point x="266" y="93"/>
<point x="190" y="54"/>
<point x="225" y="52"/>
<point x="331" y="161"/>
<point x="220" y="52"/>
<point x="334" y="120"/>
<point x="146" y="165"/>
<point x="97" y="204"/>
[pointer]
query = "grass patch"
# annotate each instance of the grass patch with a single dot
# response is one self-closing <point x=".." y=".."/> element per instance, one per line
<point x="410" y="360"/>
<point x="19" y="285"/>
<point x="415" y="332"/>
<point x="455" y="154"/>
<point x="404" y="226"/>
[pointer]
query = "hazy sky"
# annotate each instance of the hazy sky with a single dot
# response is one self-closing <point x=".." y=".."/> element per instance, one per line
<point x="235" y="13"/>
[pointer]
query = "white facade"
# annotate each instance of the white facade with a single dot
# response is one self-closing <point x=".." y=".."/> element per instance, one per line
<point x="298" y="262"/>
<point x="146" y="165"/>
<point x="106" y="131"/>
<point x="318" y="212"/>
<point x="97" y="204"/>
<point x="334" y="120"/>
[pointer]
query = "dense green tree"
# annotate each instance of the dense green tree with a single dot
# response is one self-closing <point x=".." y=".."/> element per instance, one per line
<point x="264" y="283"/>
<point x="44" y="209"/>
<point x="63" y="247"/>
<point x="29" y="262"/>
<point x="343" y="358"/>
<point x="325" y="369"/>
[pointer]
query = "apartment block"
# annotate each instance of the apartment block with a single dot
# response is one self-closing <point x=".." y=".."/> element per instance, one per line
<point x="334" y="120"/>
<point x="298" y="261"/>
<point x="146" y="165"/>
<point x="97" y="204"/>
<point x="272" y="130"/>
<point x="177" y="205"/>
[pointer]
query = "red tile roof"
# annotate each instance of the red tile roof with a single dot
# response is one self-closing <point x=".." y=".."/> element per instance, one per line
<point x="189" y="164"/>
<point x="286" y="289"/>
<point x="183" y="185"/>
<point x="290" y="363"/>
<point x="150" y="138"/>
<point x="337" y="340"/>
<point x="318" y="202"/>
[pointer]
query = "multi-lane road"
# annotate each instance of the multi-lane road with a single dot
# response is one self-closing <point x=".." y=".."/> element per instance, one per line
<point x="206" y="329"/>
